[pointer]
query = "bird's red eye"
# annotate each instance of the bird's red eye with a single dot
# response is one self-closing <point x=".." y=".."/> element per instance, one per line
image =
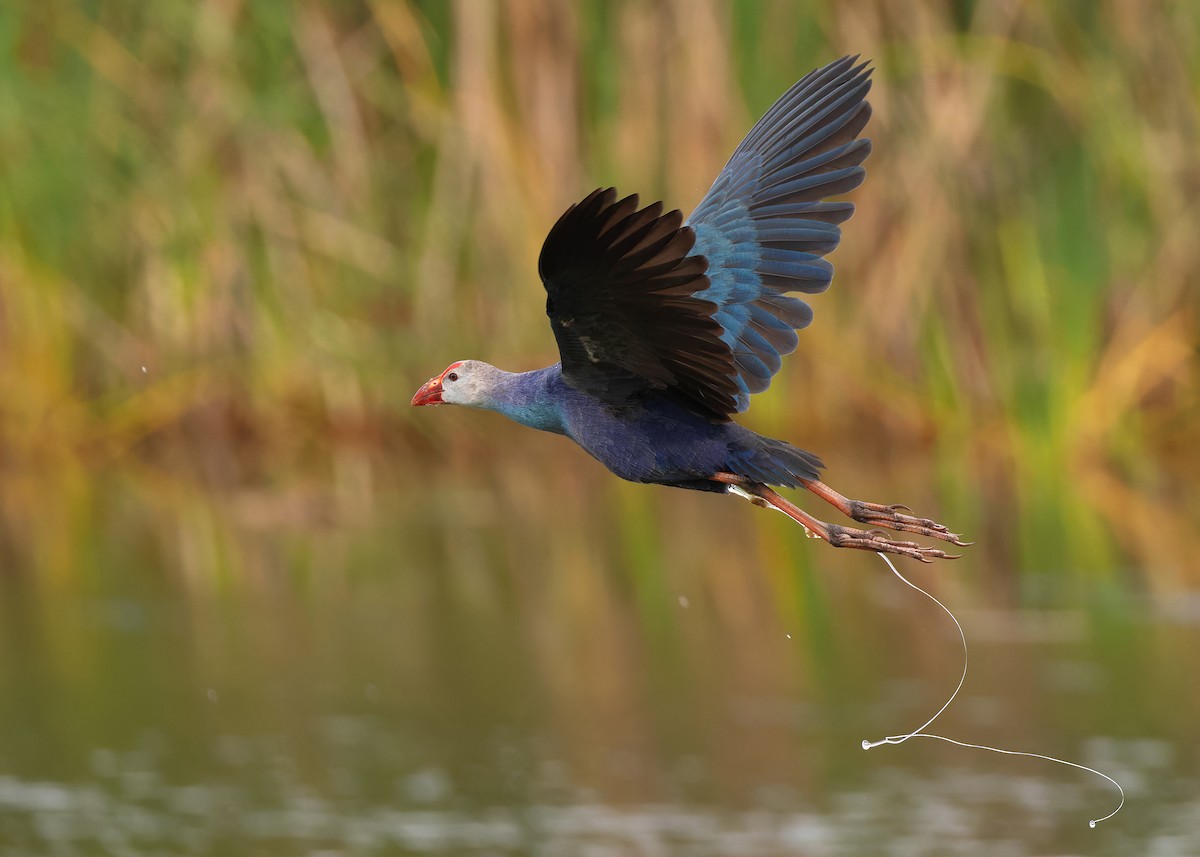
<point x="453" y="376"/>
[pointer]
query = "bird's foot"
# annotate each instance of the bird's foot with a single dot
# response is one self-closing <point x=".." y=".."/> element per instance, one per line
<point x="879" y="542"/>
<point x="890" y="517"/>
<point x="836" y="535"/>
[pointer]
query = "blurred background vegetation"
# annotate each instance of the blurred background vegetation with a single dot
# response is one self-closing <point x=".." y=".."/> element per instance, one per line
<point x="235" y="236"/>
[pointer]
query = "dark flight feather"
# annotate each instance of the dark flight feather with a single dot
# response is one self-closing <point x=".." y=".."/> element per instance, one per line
<point x="620" y="294"/>
<point x="641" y="302"/>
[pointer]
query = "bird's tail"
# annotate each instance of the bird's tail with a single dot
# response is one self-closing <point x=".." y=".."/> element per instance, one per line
<point x="774" y="462"/>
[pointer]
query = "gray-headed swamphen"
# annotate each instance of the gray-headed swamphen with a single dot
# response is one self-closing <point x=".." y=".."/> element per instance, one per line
<point x="666" y="326"/>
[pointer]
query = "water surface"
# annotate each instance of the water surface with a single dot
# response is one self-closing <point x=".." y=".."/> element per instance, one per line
<point x="356" y="698"/>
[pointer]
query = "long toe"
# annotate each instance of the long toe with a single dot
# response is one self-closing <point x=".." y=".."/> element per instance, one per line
<point x="878" y="541"/>
<point x="890" y="516"/>
<point x="839" y="536"/>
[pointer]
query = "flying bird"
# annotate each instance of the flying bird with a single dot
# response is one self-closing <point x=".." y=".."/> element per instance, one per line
<point x="666" y="327"/>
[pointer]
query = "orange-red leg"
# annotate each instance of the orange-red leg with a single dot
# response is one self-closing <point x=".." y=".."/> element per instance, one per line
<point x="879" y="515"/>
<point x="838" y="536"/>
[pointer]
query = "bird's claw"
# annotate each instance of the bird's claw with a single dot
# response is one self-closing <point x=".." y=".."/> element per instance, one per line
<point x="875" y="540"/>
<point x="889" y="516"/>
<point x="878" y="540"/>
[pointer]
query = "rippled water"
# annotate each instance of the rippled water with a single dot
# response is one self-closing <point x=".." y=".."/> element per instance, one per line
<point x="128" y="807"/>
<point x="397" y="710"/>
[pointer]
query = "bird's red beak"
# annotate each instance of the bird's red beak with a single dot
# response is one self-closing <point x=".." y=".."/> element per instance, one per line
<point x="430" y="393"/>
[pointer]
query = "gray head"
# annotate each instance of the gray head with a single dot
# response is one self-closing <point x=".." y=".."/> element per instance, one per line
<point x="464" y="382"/>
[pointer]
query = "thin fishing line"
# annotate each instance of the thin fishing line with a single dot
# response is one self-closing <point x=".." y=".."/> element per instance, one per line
<point x="900" y="739"/>
<point x="920" y="732"/>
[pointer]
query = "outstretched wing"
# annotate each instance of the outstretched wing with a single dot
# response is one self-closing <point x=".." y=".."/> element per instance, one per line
<point x="621" y="293"/>
<point x="764" y="225"/>
<point x="641" y="302"/>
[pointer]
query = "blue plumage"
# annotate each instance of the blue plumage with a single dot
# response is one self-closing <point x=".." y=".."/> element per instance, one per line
<point x="763" y="226"/>
<point x="655" y="441"/>
<point x="666" y="328"/>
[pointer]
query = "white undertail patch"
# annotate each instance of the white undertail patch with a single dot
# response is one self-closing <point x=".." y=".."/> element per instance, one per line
<point x="764" y="503"/>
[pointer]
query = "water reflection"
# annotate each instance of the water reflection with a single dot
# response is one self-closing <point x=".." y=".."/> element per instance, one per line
<point x="400" y="713"/>
<point x="128" y="807"/>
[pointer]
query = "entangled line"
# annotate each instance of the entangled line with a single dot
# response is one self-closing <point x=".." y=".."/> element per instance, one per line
<point x="920" y="732"/>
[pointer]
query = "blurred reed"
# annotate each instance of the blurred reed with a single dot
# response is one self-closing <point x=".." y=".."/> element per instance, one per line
<point x="235" y="236"/>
